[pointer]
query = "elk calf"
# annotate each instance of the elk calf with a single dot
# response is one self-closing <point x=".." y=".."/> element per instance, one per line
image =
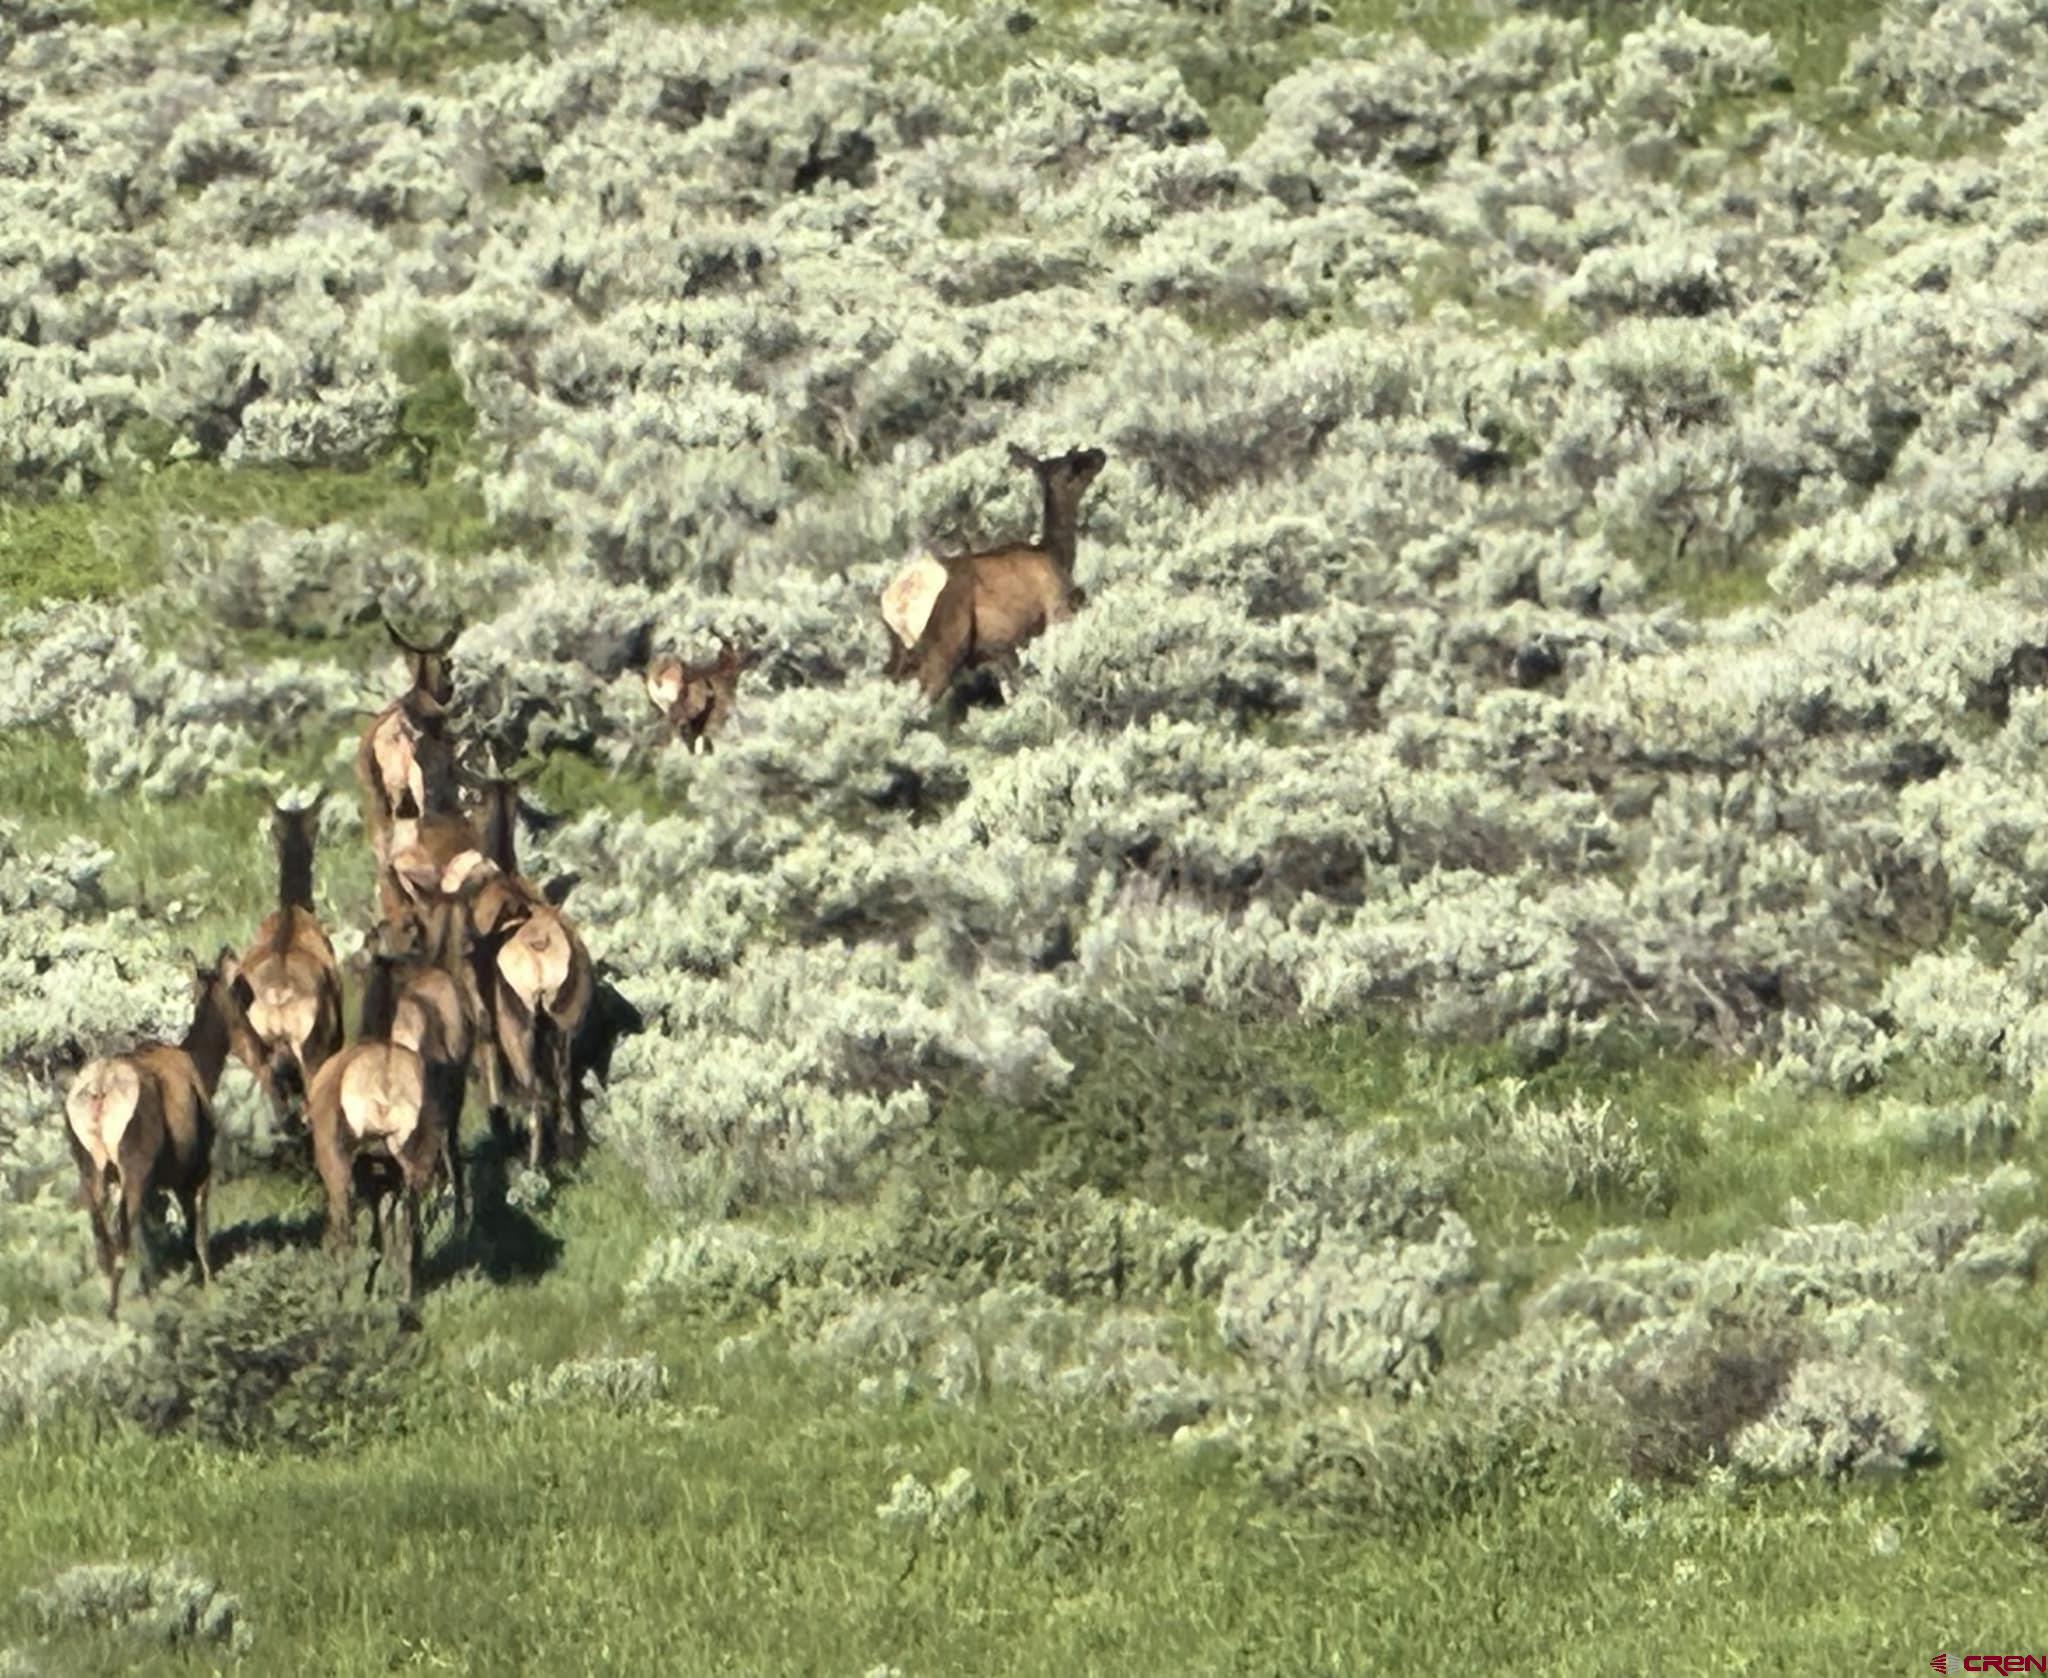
<point x="141" y="1124"/>
<point x="989" y="604"/>
<point x="377" y="1121"/>
<point x="696" y="699"/>
<point x="289" y="984"/>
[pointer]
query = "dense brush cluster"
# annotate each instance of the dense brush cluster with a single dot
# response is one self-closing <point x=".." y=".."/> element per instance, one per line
<point x="1561" y="565"/>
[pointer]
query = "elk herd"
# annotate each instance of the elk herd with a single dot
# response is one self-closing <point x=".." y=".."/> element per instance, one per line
<point x="470" y="971"/>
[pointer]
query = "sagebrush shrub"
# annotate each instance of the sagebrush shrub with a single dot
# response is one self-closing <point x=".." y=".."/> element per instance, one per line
<point x="167" y="1602"/>
<point x="281" y="1353"/>
<point x="1683" y="1413"/>
<point x="2014" y="1483"/>
<point x="1402" y="1469"/>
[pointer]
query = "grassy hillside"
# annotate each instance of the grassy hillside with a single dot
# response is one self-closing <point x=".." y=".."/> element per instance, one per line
<point x="1452" y="1080"/>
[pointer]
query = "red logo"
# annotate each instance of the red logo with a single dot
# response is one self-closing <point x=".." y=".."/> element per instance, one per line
<point x="1939" y="1663"/>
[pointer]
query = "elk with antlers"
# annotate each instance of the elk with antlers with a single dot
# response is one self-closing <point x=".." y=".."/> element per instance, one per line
<point x="697" y="698"/>
<point x="535" y="977"/>
<point x="289" y="984"/>
<point x="141" y="1124"/>
<point x="950" y="614"/>
<point x="378" y="1121"/>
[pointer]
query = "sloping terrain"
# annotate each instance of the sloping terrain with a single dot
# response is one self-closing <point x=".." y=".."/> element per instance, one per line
<point x="1461" y="1056"/>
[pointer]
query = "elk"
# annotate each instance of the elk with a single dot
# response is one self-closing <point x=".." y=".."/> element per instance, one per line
<point x="535" y="976"/>
<point x="289" y="985"/>
<point x="696" y="699"/>
<point x="425" y="859"/>
<point x="404" y="762"/>
<point x="990" y="603"/>
<point x="436" y="1012"/>
<point x="377" y="1121"/>
<point x="141" y="1124"/>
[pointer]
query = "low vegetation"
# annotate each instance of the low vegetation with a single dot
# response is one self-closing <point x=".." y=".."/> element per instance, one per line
<point x="1447" y="1071"/>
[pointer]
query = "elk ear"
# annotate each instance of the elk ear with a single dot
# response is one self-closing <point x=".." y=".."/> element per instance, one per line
<point x="1077" y="597"/>
<point x="557" y="890"/>
<point x="319" y="803"/>
<point x="1020" y="456"/>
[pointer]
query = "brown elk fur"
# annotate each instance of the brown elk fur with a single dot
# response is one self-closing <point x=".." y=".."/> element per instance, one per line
<point x="995" y="601"/>
<point x="378" y="1121"/>
<point x="697" y="698"/>
<point x="289" y="984"/>
<point x="141" y="1124"/>
<point x="535" y="976"/>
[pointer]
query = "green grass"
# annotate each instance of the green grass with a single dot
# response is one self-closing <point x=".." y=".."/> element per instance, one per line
<point x="734" y="1530"/>
<point x="206" y="852"/>
<point x="110" y="541"/>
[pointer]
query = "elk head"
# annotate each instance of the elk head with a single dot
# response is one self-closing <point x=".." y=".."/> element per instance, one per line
<point x="430" y="672"/>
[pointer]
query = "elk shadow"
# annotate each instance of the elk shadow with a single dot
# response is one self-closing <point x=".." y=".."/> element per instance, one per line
<point x="273" y="1232"/>
<point x="503" y="1242"/>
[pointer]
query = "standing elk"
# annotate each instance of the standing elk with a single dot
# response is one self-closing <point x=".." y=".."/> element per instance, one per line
<point x="696" y="699"/>
<point x="141" y="1124"/>
<point x="979" y="607"/>
<point x="404" y="762"/>
<point x="436" y="1013"/>
<point x="289" y="985"/>
<point x="377" y="1120"/>
<point x="536" y="980"/>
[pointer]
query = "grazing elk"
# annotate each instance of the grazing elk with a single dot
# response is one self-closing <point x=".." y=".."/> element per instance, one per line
<point x="289" y="984"/>
<point x="141" y="1124"/>
<point x="378" y="1121"/>
<point x="535" y="977"/>
<point x="989" y="604"/>
<point x="697" y="698"/>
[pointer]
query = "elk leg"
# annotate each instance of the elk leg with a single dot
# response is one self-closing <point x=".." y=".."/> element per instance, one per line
<point x="405" y="1214"/>
<point x="117" y="1260"/>
<point x="568" y="1106"/>
<point x="110" y="1255"/>
<point x="135" y="1227"/>
<point x="192" y="1202"/>
<point x="451" y="1157"/>
<point x="103" y="1243"/>
<point x="380" y="1240"/>
<point x="494" y="1092"/>
<point x="335" y="1166"/>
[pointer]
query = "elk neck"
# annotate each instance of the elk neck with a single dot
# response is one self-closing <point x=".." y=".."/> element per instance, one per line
<point x="207" y="1041"/>
<point x="295" y="869"/>
<point x="1059" y="519"/>
<point x="500" y="836"/>
<point x="380" y="1003"/>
